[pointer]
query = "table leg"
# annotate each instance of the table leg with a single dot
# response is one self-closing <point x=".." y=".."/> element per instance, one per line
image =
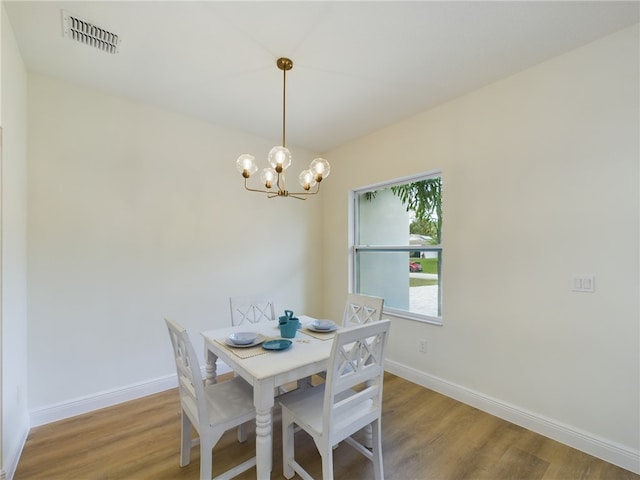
<point x="263" y="400"/>
<point x="368" y="437"/>
<point x="211" y="368"/>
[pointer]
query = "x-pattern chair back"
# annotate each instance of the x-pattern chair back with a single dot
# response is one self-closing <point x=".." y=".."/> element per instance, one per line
<point x="190" y="384"/>
<point x="356" y="360"/>
<point x="362" y="309"/>
<point x="251" y="309"/>
<point x="357" y="356"/>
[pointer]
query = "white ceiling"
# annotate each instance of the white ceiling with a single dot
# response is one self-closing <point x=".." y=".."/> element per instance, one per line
<point x="358" y="66"/>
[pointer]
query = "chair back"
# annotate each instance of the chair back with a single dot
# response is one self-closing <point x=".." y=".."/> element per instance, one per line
<point x="362" y="309"/>
<point x="251" y="309"/>
<point x="357" y="359"/>
<point x="190" y="385"/>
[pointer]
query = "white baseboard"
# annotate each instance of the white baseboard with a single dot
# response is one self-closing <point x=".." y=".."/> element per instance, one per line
<point x="78" y="406"/>
<point x="9" y="468"/>
<point x="602" y="448"/>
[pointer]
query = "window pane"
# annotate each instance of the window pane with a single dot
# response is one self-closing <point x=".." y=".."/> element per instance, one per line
<point x="406" y="283"/>
<point x="382" y="219"/>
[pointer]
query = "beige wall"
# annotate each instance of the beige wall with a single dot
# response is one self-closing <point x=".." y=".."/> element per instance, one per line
<point x="540" y="177"/>
<point x="13" y="242"/>
<point x="135" y="214"/>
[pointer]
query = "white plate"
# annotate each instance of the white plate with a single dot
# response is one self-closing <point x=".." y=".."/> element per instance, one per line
<point x="243" y="338"/>
<point x="324" y="325"/>
<point x="322" y="330"/>
<point x="257" y="341"/>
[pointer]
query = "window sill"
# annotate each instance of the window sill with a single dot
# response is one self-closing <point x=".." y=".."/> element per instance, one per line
<point x="413" y="316"/>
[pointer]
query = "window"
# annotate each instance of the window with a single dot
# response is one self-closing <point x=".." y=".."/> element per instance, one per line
<point x="397" y="249"/>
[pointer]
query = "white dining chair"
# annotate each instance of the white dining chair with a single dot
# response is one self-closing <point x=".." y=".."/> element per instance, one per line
<point x="251" y="309"/>
<point x="211" y="409"/>
<point x="361" y="309"/>
<point x="335" y="411"/>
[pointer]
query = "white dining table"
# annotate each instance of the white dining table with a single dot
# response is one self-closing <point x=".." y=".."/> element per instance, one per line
<point x="265" y="370"/>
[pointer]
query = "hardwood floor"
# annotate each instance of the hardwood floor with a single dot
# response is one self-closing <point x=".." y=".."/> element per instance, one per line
<point x="425" y="436"/>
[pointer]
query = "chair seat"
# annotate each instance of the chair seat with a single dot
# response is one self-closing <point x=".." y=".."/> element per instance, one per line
<point x="229" y="400"/>
<point x="306" y="407"/>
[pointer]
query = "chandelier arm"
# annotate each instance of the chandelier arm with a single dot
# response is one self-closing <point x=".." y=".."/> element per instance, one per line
<point x="253" y="189"/>
<point x="316" y="191"/>
<point x="306" y="194"/>
<point x="282" y="192"/>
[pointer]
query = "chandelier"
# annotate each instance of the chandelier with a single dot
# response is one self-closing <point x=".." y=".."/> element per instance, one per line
<point x="279" y="157"/>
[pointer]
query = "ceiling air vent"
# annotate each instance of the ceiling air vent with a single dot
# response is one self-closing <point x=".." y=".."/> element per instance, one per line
<point x="86" y="32"/>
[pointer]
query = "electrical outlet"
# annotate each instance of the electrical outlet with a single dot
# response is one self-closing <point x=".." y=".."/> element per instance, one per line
<point x="422" y="345"/>
<point x="583" y="283"/>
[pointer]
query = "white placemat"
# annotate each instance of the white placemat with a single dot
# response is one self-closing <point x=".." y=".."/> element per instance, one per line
<point x="245" y="352"/>
<point x="319" y="335"/>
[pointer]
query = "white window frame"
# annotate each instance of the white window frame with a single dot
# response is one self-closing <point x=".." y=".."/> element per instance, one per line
<point x="355" y="247"/>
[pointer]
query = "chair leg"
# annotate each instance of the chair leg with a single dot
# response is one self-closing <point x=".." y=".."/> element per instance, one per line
<point x="327" y="463"/>
<point x="206" y="459"/>
<point x="378" y="471"/>
<point x="242" y="433"/>
<point x="368" y="435"/>
<point x="288" y="448"/>
<point x="185" y="441"/>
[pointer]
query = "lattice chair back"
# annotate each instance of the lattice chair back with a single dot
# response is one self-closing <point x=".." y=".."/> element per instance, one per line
<point x="190" y="385"/>
<point x="362" y="309"/>
<point x="251" y="309"/>
<point x="357" y="359"/>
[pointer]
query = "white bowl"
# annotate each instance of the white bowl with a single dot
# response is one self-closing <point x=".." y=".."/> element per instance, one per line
<point x="243" y="338"/>
<point x="323" y="324"/>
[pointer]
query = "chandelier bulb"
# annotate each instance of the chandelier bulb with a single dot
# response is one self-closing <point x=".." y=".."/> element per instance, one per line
<point x="321" y="168"/>
<point x="307" y="179"/>
<point x="246" y="165"/>
<point x="268" y="177"/>
<point x="279" y="158"/>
